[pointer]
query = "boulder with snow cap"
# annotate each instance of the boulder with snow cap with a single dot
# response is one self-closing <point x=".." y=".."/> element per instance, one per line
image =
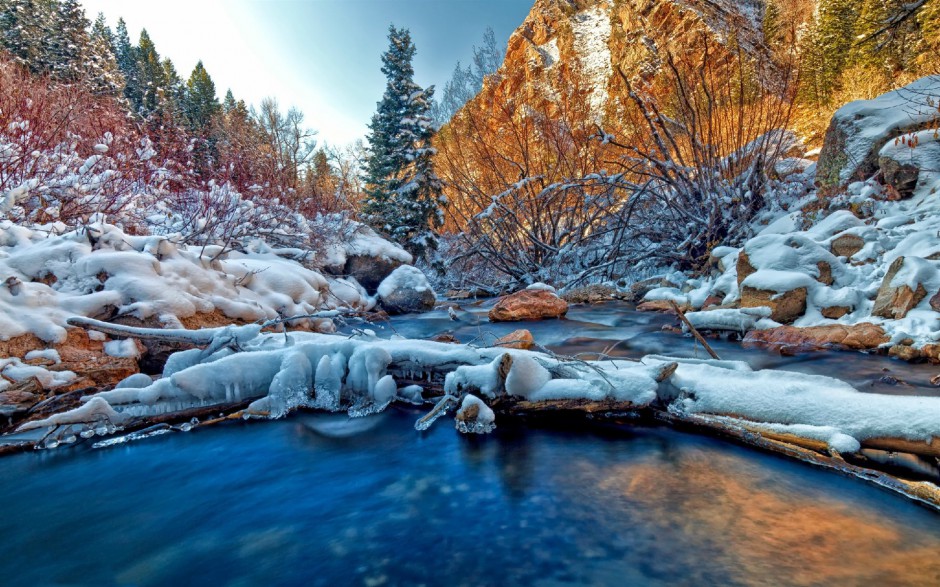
<point x="528" y="304"/>
<point x="859" y="130"/>
<point x="405" y="291"/>
<point x="370" y="271"/>
<point x="846" y="245"/>
<point x="902" y="288"/>
<point x="909" y="159"/>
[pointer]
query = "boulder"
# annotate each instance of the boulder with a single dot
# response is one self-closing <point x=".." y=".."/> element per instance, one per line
<point x="370" y="271"/>
<point x="935" y="302"/>
<point x="517" y="339"/>
<point x="895" y="301"/>
<point x="860" y="129"/>
<point x="825" y="273"/>
<point x="862" y="336"/>
<point x="835" y="312"/>
<point x="530" y="304"/>
<point x="846" y="245"/>
<point x="900" y="177"/>
<point x="785" y="307"/>
<point x="406" y="290"/>
<point x="744" y="267"/>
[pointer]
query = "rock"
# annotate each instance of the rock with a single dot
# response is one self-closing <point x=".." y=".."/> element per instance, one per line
<point x="846" y="245"/>
<point x="905" y="352"/>
<point x="711" y="301"/>
<point x="370" y="271"/>
<point x="896" y="301"/>
<point x="661" y="306"/>
<point x="935" y="302"/>
<point x="457" y="294"/>
<point x="835" y="312"/>
<point x="860" y="129"/>
<point x="518" y="339"/>
<point x="593" y="294"/>
<point x="528" y="305"/>
<point x="900" y="177"/>
<point x="825" y="273"/>
<point x="862" y="336"/>
<point x="744" y="267"/>
<point x="406" y="291"/>
<point x="444" y="337"/>
<point x="784" y="307"/>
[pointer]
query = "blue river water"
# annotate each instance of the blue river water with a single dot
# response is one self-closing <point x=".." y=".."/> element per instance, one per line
<point x="322" y="500"/>
<point x="318" y="500"/>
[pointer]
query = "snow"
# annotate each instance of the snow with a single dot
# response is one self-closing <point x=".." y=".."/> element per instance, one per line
<point x="52" y="276"/>
<point x="539" y="286"/>
<point x="404" y="278"/>
<point x="13" y="369"/>
<point x="484" y="421"/>
<point x="591" y="30"/>
<point x="46" y="354"/>
<point x="870" y="124"/>
<point x="732" y="319"/>
<point x="126" y="348"/>
<point x="96" y="410"/>
<point x="775" y="397"/>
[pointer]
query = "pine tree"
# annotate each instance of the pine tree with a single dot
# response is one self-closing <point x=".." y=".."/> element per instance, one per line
<point x="403" y="193"/>
<point x="126" y="55"/>
<point x="153" y="82"/>
<point x="827" y="48"/>
<point x="201" y="103"/>
<point x="103" y="76"/>
<point x="69" y="43"/>
<point x="28" y="32"/>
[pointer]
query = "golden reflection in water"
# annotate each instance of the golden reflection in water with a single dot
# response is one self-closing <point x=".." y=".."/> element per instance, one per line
<point x="753" y="528"/>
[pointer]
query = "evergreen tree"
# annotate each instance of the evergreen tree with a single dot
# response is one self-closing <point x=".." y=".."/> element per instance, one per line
<point x="153" y="82"/>
<point x="403" y="193"/>
<point x="104" y="76"/>
<point x="228" y="104"/>
<point x="896" y="49"/>
<point x="827" y="48"/>
<point x="201" y="103"/>
<point x="174" y="93"/>
<point x="126" y="55"/>
<point x="464" y="84"/>
<point x="68" y="43"/>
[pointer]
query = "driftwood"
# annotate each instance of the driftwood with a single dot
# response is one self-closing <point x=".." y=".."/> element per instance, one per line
<point x="694" y="332"/>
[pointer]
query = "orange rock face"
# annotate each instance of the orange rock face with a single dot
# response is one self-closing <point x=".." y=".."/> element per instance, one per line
<point x="856" y="337"/>
<point x="528" y="305"/>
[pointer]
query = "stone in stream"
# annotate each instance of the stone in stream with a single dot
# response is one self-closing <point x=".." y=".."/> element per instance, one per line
<point x="862" y="336"/>
<point x="528" y="304"/>
<point x="517" y="339"/>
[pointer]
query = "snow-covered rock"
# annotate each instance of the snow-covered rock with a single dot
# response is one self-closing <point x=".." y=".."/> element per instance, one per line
<point x="860" y="129"/>
<point x="406" y="290"/>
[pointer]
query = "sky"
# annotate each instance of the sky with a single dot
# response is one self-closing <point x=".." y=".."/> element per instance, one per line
<point x="322" y="56"/>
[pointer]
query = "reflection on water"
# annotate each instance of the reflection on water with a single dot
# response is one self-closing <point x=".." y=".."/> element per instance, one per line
<point x="283" y="503"/>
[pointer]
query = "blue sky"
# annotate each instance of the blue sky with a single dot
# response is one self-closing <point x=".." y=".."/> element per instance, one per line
<point x="322" y="56"/>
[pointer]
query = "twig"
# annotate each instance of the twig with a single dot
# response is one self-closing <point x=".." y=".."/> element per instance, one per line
<point x="694" y="332"/>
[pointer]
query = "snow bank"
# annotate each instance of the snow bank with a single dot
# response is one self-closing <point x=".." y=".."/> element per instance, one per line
<point x="100" y="271"/>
